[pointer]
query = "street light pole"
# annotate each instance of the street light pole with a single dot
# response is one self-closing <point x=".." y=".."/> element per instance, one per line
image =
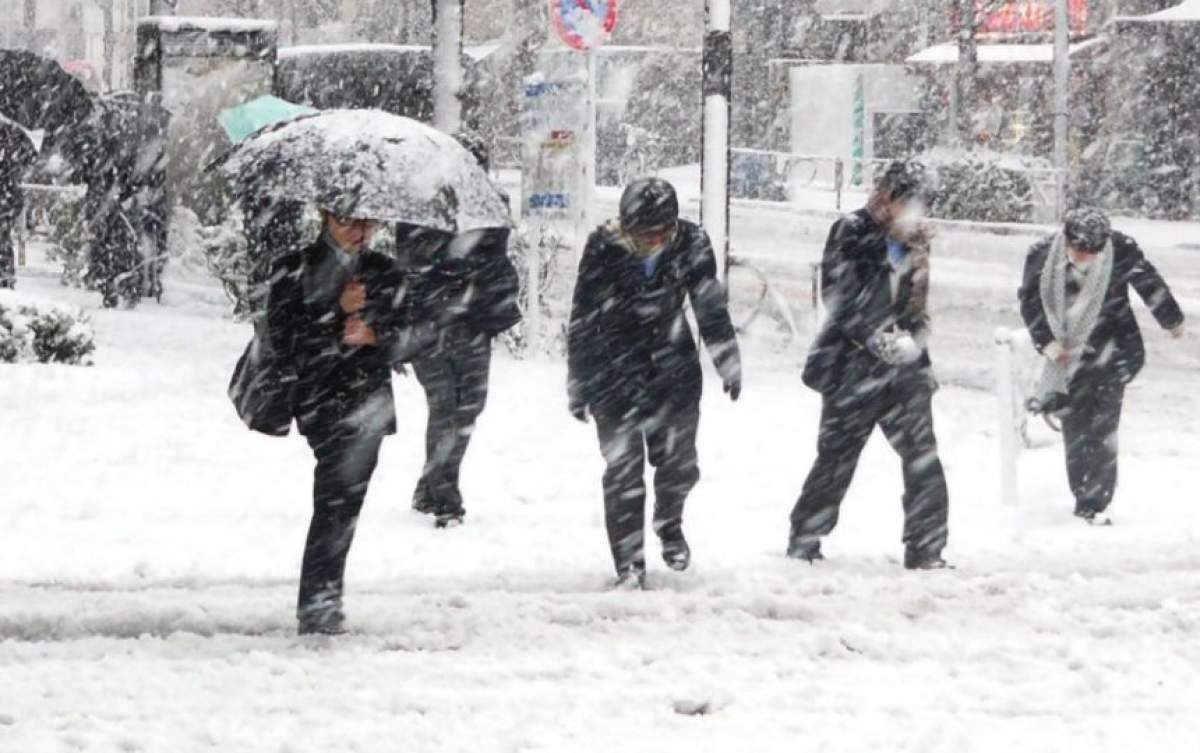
<point x="718" y="86"/>
<point x="447" y="64"/>
<point x="1062" y="82"/>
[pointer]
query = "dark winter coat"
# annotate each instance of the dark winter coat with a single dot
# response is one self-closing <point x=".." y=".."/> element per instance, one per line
<point x="857" y="292"/>
<point x="629" y="345"/>
<point x="1115" y="350"/>
<point x="335" y="381"/>
<point x="472" y="275"/>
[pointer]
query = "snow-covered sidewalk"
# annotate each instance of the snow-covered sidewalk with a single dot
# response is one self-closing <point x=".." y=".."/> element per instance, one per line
<point x="151" y="546"/>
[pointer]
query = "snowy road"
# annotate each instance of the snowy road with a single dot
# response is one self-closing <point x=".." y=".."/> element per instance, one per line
<point x="151" y="545"/>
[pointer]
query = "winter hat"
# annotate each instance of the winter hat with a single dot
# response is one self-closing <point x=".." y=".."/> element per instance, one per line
<point x="1087" y="228"/>
<point x="648" y="204"/>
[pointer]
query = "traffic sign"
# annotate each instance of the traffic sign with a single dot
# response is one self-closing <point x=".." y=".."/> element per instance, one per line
<point x="583" y="24"/>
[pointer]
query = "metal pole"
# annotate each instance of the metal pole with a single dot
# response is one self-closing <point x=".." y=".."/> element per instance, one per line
<point x="1062" y="82"/>
<point x="718" y="96"/>
<point x="447" y="64"/>
<point x="583" y="217"/>
<point x="1010" y="491"/>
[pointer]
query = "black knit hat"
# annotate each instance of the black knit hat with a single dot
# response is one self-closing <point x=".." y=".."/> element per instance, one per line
<point x="1087" y="228"/>
<point x="648" y="204"/>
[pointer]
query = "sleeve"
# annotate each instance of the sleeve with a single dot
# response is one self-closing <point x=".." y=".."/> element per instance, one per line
<point x="403" y="330"/>
<point x="710" y="302"/>
<point x="1033" y="312"/>
<point x="495" y="285"/>
<point x="584" y="331"/>
<point x="281" y="318"/>
<point x="1153" y="289"/>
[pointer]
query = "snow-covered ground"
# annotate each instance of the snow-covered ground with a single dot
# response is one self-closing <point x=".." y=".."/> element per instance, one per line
<point x="151" y="546"/>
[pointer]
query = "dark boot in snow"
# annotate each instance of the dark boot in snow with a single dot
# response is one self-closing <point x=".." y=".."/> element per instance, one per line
<point x="917" y="560"/>
<point x="675" y="550"/>
<point x="449" y="517"/>
<point x="322" y="620"/>
<point x="632" y="578"/>
<point x="807" y="548"/>
<point x="1093" y="517"/>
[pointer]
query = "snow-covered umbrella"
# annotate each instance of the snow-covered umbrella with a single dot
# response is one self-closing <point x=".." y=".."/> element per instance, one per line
<point x="244" y="120"/>
<point x="37" y="93"/>
<point x="368" y="163"/>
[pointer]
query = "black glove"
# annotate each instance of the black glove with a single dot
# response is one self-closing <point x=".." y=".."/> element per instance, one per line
<point x="733" y="388"/>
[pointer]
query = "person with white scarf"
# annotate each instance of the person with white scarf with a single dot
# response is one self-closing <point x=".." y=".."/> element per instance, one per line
<point x="1075" y="302"/>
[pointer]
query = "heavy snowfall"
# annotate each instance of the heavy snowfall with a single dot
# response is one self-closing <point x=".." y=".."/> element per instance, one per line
<point x="167" y="198"/>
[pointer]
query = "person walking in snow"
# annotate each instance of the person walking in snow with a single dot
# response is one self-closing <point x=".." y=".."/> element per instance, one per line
<point x="1075" y="301"/>
<point x="471" y="273"/>
<point x="334" y="321"/>
<point x="633" y="364"/>
<point x="871" y="365"/>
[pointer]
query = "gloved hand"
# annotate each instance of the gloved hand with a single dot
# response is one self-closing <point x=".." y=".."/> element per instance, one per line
<point x="733" y="387"/>
<point x="895" y="348"/>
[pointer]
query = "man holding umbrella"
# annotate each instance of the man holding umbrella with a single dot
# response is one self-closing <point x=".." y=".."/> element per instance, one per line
<point x="338" y="318"/>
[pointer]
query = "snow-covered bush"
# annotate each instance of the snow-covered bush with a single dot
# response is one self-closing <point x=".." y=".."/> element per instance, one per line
<point x="45" y="335"/>
<point x="982" y="190"/>
<point x="554" y="291"/>
<point x="68" y="235"/>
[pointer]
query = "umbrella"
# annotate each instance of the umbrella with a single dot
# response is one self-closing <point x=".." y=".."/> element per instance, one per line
<point x="38" y="94"/>
<point x="367" y="163"/>
<point x="242" y="121"/>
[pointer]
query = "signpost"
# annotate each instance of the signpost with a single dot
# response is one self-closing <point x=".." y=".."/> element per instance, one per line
<point x="715" y="160"/>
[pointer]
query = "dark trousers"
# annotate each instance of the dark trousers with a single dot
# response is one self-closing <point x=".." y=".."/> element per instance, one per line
<point x="1090" y="427"/>
<point x="625" y="441"/>
<point x="8" y="255"/>
<point x="904" y="411"/>
<point x="346" y="458"/>
<point x="455" y="380"/>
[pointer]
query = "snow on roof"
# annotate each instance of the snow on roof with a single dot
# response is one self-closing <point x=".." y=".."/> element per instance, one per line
<point x="1000" y="53"/>
<point x="336" y="49"/>
<point x="1189" y="10"/>
<point x="207" y="23"/>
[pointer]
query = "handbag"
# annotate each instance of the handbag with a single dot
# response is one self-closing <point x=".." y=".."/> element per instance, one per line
<point x="261" y="388"/>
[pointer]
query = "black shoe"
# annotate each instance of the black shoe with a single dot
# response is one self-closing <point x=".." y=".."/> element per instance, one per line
<point x="807" y="548"/>
<point x="449" y="517"/>
<point x="1093" y="517"/>
<point x="675" y="550"/>
<point x="424" y="505"/>
<point x="322" y="621"/>
<point x="632" y="578"/>
<point x="925" y="561"/>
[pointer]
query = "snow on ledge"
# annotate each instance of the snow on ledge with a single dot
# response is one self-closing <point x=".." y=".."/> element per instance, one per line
<point x="207" y="23"/>
<point x="1000" y="53"/>
<point x="1185" y="11"/>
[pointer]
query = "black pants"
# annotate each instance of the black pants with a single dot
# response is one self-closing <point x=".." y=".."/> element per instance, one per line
<point x="1090" y="435"/>
<point x="346" y="458"/>
<point x="625" y="440"/>
<point x="455" y="380"/>
<point x="8" y="255"/>
<point x="904" y="411"/>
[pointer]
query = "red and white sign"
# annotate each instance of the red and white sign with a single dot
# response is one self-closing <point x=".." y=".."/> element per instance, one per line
<point x="1019" y="16"/>
<point x="583" y="24"/>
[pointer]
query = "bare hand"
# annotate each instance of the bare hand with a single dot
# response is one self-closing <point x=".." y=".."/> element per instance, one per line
<point x="358" y="333"/>
<point x="354" y="297"/>
<point x="1177" y="333"/>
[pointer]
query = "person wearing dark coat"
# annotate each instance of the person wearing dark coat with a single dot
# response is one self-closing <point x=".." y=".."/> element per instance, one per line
<point x="871" y="365"/>
<point x="336" y="321"/>
<point x="634" y="366"/>
<point x="1075" y="302"/>
<point x="12" y="200"/>
<point x="471" y="274"/>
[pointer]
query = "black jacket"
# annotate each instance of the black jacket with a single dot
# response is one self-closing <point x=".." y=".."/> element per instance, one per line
<point x="335" y="381"/>
<point x="470" y="275"/>
<point x="856" y="289"/>
<point x="629" y="345"/>
<point x="1115" y="349"/>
